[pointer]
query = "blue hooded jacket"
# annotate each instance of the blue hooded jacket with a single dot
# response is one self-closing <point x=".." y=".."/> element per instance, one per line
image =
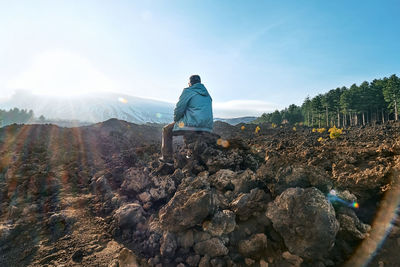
<point x="193" y="112"/>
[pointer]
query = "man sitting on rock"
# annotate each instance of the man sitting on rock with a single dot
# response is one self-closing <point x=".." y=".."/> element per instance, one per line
<point x="193" y="113"/>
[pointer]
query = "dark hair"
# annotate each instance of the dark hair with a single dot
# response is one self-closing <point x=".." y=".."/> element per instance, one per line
<point x="194" y="79"/>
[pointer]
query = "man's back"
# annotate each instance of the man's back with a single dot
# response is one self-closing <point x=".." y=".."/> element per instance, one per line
<point x="193" y="112"/>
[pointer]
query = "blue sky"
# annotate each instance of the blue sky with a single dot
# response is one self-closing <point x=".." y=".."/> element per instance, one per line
<point x="253" y="56"/>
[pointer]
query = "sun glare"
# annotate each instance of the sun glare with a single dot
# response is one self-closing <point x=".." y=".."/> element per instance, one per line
<point x="61" y="73"/>
<point x="122" y="100"/>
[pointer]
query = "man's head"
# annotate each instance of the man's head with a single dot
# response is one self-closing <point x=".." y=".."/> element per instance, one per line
<point x="194" y="79"/>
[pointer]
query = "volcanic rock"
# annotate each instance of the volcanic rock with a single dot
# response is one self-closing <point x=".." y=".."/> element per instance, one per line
<point x="213" y="247"/>
<point x="78" y="255"/>
<point x="144" y="197"/>
<point x="253" y="246"/>
<point x="101" y="185"/>
<point x="6" y="232"/>
<point x="246" y="181"/>
<point x="129" y="215"/>
<point x="306" y="221"/>
<point x="294" y="260"/>
<point x="186" y="239"/>
<point x="135" y="180"/>
<point x="298" y="176"/>
<point x="205" y="261"/>
<point x="164" y="186"/>
<point x="223" y="222"/>
<point x="216" y="159"/>
<point x="201" y="236"/>
<point x="222" y="180"/>
<point x="186" y="209"/>
<point x="58" y="224"/>
<point x="193" y="260"/>
<point x="127" y="258"/>
<point x="168" y="245"/>
<point x="351" y="228"/>
<point x="244" y="229"/>
<point x="247" y="203"/>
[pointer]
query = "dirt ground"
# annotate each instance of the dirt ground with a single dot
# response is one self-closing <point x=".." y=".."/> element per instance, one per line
<point x="50" y="215"/>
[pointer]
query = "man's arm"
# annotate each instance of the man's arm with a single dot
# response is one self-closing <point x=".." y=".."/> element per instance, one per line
<point x="181" y="105"/>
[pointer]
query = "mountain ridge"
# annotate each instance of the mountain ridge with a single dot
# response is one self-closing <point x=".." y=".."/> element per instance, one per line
<point x="86" y="109"/>
<point x="93" y="108"/>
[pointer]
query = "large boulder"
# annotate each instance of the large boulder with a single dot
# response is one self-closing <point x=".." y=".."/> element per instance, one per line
<point x="306" y="221"/>
<point x="186" y="209"/>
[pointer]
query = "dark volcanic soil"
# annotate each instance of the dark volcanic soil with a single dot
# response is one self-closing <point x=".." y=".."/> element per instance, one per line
<point x="97" y="196"/>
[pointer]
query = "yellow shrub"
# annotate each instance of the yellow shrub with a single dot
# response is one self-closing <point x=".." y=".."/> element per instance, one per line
<point x="335" y="132"/>
<point x="257" y="129"/>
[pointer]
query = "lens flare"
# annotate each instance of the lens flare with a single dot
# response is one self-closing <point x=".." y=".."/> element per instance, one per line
<point x="181" y="124"/>
<point x="334" y="198"/>
<point x="222" y="142"/>
<point x="225" y="143"/>
<point x="158" y="115"/>
<point x="122" y="100"/>
<point x="381" y="226"/>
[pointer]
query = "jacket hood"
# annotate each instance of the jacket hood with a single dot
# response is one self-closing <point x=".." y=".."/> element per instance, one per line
<point x="199" y="88"/>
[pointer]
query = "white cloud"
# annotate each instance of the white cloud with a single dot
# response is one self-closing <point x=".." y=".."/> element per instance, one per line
<point x="60" y="72"/>
<point x="240" y="108"/>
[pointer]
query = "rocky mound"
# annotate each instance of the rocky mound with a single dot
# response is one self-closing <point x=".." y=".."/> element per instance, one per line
<point x="278" y="197"/>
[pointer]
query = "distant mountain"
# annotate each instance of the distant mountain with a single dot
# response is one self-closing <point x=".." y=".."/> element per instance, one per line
<point x="234" y="121"/>
<point x="93" y="107"/>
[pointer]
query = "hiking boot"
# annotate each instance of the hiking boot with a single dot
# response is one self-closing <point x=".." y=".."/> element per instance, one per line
<point x="166" y="161"/>
<point x="164" y="169"/>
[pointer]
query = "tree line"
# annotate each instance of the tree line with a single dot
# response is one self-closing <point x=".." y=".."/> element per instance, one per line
<point x="369" y="102"/>
<point x="16" y="115"/>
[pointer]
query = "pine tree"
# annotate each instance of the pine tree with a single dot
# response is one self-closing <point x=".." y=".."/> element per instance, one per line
<point x="391" y="93"/>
